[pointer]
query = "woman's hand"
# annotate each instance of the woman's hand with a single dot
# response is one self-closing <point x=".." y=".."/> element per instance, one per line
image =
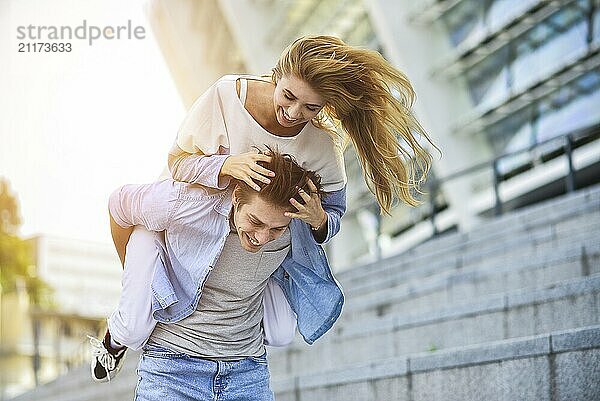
<point x="312" y="211"/>
<point x="245" y="168"/>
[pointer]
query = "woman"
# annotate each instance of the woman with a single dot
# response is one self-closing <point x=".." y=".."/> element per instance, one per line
<point x="319" y="84"/>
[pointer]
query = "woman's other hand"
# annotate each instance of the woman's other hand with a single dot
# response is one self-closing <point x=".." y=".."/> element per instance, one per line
<point x="311" y="212"/>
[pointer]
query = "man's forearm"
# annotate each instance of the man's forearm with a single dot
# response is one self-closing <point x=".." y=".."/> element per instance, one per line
<point x="120" y="238"/>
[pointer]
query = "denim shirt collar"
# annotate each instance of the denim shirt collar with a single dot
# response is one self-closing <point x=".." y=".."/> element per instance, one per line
<point x="224" y="203"/>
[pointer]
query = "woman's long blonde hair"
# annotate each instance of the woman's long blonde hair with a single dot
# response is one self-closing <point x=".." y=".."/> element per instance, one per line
<point x="373" y="103"/>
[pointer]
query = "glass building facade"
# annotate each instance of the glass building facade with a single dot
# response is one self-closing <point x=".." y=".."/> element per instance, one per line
<point x="531" y="67"/>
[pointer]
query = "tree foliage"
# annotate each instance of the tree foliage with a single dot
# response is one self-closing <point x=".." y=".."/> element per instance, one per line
<point x="9" y="210"/>
<point x="16" y="258"/>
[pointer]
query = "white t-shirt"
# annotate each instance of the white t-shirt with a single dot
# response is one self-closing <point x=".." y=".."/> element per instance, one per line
<point x="218" y="123"/>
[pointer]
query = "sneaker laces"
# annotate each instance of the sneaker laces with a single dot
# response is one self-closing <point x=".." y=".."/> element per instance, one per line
<point x="106" y="359"/>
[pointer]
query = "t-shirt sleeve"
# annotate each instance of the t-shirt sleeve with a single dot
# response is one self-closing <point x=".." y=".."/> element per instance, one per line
<point x="204" y="130"/>
<point x="279" y="320"/>
<point x="330" y="165"/>
<point x="339" y="162"/>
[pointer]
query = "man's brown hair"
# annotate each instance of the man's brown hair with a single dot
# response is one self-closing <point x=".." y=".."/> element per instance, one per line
<point x="289" y="176"/>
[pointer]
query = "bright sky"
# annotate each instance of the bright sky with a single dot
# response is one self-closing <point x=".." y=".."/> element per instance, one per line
<point x="74" y="126"/>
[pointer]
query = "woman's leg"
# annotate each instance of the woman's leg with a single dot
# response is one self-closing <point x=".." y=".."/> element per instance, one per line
<point x="132" y="323"/>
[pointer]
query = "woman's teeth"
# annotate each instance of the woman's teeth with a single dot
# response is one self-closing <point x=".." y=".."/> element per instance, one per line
<point x="288" y="118"/>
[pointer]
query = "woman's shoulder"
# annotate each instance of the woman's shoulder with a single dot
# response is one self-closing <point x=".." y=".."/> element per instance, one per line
<point x="327" y="152"/>
<point x="230" y="81"/>
<point x="230" y="78"/>
<point x="226" y="80"/>
<point x="225" y="87"/>
<point x="328" y="148"/>
<point x="219" y="87"/>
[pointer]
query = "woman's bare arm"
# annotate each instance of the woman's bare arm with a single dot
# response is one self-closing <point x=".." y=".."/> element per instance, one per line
<point x="120" y="238"/>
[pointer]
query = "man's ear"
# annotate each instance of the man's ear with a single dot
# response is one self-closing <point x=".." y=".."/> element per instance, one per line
<point x="235" y="196"/>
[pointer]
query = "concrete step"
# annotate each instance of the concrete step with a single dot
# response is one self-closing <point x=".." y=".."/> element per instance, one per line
<point x="521" y="249"/>
<point x="549" y="212"/>
<point x="573" y="303"/>
<point x="582" y="201"/>
<point x="508" y="230"/>
<point x="544" y="267"/>
<point x="559" y="366"/>
<point x="469" y="253"/>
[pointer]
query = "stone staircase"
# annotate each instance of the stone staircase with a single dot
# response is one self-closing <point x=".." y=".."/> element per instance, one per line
<point x="508" y="311"/>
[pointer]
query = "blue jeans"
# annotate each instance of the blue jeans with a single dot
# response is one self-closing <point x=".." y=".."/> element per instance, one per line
<point x="165" y="375"/>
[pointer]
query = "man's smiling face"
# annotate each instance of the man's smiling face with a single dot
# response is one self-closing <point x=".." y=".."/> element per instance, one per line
<point x="258" y="222"/>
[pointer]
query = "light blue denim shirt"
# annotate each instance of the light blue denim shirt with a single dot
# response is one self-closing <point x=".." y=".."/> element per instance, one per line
<point x="195" y="221"/>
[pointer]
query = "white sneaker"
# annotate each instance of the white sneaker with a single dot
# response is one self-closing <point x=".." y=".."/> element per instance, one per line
<point x="106" y="361"/>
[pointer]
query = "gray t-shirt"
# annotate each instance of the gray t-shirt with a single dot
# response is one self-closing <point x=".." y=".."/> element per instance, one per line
<point x="226" y="324"/>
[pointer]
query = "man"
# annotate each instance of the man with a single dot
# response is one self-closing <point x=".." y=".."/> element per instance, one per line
<point x="203" y="268"/>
